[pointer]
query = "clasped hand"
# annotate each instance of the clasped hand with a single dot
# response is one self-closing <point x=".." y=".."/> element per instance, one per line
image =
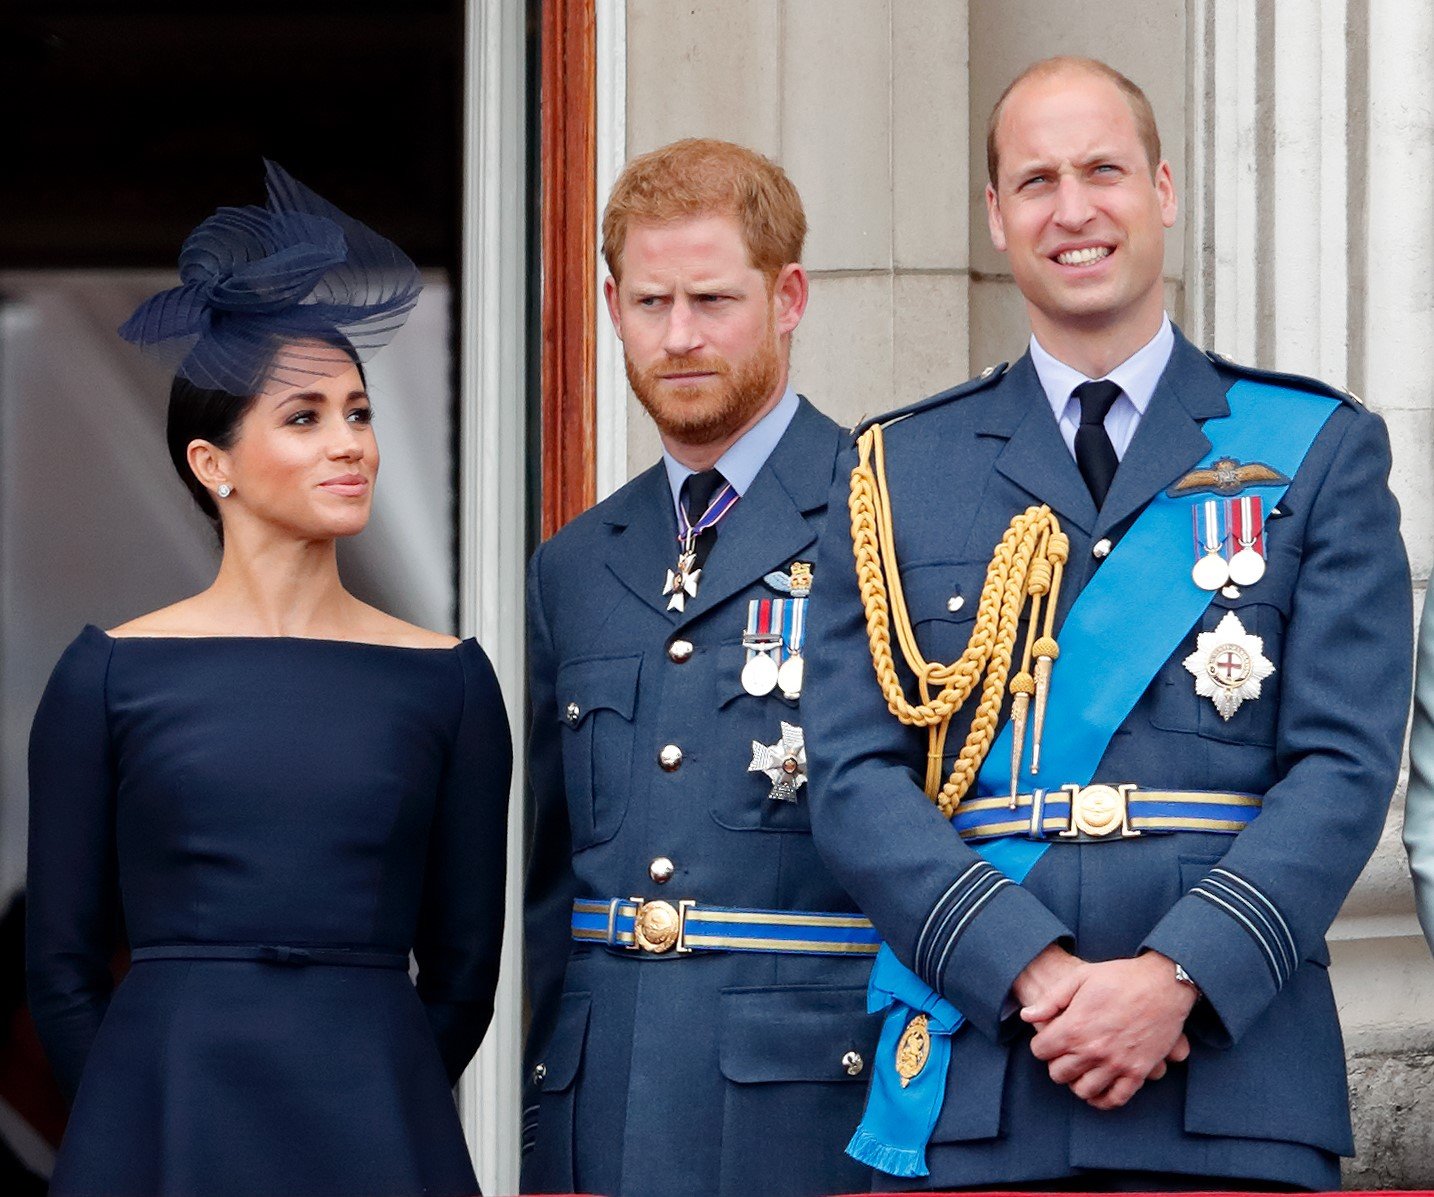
<point x="1104" y="1029"/>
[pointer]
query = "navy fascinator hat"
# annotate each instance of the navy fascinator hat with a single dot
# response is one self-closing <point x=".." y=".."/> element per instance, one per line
<point x="296" y="273"/>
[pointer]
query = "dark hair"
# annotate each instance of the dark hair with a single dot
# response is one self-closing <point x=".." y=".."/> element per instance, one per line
<point x="199" y="414"/>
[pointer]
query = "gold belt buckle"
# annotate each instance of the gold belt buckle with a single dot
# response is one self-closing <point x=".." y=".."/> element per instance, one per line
<point x="1099" y="811"/>
<point x="660" y="926"/>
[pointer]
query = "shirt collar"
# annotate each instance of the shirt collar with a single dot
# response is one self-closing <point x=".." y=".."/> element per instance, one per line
<point x="740" y="464"/>
<point x="1137" y="376"/>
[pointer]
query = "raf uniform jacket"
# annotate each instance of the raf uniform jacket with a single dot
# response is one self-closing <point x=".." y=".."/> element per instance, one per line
<point x="708" y="1073"/>
<point x="1264" y="1094"/>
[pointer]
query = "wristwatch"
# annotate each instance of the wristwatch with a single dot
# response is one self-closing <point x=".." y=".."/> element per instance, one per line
<point x="1185" y="978"/>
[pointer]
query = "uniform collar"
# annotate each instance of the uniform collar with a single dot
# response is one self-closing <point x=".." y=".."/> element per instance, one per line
<point x="1136" y="376"/>
<point x="739" y="465"/>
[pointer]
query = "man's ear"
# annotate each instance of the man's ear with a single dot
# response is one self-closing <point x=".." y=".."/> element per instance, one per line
<point x="1165" y="189"/>
<point x="994" y="222"/>
<point x="609" y="293"/>
<point x="790" y="291"/>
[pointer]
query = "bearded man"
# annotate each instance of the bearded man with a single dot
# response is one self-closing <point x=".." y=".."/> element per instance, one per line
<point x="697" y="979"/>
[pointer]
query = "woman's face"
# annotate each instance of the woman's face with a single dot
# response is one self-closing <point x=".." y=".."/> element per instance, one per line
<point x="305" y="459"/>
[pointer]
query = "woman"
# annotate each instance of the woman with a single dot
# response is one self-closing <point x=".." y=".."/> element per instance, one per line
<point x="284" y="789"/>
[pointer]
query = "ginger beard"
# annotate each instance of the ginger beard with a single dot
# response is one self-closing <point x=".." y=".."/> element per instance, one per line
<point x="715" y="408"/>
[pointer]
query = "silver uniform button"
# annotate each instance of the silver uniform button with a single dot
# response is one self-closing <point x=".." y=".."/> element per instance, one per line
<point x="1101" y="549"/>
<point x="670" y="757"/>
<point x="540" y="1073"/>
<point x="679" y="651"/>
<point x="573" y="713"/>
<point x="853" y="1063"/>
<point x="661" y="870"/>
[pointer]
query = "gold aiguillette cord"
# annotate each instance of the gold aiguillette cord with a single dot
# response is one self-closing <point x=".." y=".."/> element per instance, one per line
<point x="1027" y="562"/>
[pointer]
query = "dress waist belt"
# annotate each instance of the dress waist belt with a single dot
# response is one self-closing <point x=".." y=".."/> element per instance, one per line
<point x="1098" y="812"/>
<point x="685" y="926"/>
<point x="266" y="953"/>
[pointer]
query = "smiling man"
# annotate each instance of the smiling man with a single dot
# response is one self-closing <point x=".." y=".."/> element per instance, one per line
<point x="1151" y="776"/>
<point x="698" y="980"/>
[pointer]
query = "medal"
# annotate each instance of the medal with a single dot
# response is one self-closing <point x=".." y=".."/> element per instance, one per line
<point x="774" y="638"/>
<point x="1210" y="571"/>
<point x="1228" y="665"/>
<point x="789" y="677"/>
<point x="760" y="675"/>
<point x="784" y="763"/>
<point x="682" y="581"/>
<point x="1246" y="521"/>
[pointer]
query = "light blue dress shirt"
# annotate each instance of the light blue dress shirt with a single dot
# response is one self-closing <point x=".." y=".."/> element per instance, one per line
<point x="1136" y="377"/>
<point x="739" y="465"/>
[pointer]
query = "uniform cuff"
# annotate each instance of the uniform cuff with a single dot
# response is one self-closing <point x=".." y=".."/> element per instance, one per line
<point x="1237" y="967"/>
<point x="975" y="961"/>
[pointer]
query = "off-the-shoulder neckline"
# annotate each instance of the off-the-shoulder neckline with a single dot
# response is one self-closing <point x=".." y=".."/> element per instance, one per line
<point x="411" y="648"/>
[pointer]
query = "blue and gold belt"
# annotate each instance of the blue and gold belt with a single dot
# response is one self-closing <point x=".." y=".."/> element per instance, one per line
<point x="685" y="926"/>
<point x="1102" y="812"/>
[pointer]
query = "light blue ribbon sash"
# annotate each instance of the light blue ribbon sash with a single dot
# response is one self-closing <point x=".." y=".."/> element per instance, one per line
<point x="1117" y="656"/>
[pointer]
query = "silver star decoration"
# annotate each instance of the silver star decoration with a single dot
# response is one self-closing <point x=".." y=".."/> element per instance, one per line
<point x="682" y="583"/>
<point x="784" y="763"/>
<point x="1228" y="664"/>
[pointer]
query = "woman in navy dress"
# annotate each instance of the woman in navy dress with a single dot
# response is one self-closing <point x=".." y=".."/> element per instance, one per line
<point x="284" y="790"/>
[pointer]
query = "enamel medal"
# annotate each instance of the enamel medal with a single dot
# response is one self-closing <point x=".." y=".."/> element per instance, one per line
<point x="682" y="580"/>
<point x="1228" y="665"/>
<point x="784" y="763"/>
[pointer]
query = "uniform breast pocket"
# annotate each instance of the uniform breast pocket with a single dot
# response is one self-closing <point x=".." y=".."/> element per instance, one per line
<point x="744" y="792"/>
<point x="942" y="598"/>
<point x="597" y="699"/>
<point x="1237" y="651"/>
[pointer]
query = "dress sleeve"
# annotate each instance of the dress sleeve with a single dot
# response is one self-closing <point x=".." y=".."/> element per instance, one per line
<point x="460" y="926"/>
<point x="73" y="893"/>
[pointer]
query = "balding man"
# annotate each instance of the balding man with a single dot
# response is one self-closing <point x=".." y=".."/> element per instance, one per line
<point x="1141" y="616"/>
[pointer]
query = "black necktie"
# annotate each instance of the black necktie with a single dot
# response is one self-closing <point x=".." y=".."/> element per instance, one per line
<point x="1095" y="455"/>
<point x="697" y="492"/>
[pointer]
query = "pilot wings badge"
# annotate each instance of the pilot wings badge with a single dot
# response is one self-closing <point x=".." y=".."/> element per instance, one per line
<point x="1226" y="476"/>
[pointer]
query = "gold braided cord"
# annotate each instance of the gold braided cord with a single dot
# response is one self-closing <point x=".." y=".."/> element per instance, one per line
<point x="1026" y="563"/>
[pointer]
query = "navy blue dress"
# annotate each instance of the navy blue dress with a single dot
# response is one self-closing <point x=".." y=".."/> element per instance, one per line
<point x="281" y="821"/>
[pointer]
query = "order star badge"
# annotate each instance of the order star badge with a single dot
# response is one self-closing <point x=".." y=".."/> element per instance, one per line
<point x="784" y="763"/>
<point x="1229" y="664"/>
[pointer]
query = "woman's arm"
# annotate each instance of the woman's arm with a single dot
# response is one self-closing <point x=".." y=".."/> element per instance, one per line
<point x="73" y="894"/>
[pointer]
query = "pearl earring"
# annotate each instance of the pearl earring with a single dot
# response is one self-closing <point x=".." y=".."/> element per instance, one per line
<point x="225" y="490"/>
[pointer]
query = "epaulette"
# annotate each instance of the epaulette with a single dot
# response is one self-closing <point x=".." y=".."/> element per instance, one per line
<point x="1280" y="378"/>
<point x="986" y="378"/>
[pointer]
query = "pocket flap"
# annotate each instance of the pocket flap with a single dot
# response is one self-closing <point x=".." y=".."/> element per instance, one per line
<point x="565" y="1048"/>
<point x="932" y="588"/>
<point x="795" y="1033"/>
<point x="597" y="683"/>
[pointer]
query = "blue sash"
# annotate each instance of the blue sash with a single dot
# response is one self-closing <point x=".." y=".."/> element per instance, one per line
<point x="1117" y="658"/>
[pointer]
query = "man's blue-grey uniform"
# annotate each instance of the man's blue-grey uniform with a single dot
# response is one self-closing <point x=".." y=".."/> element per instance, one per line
<point x="719" y="1072"/>
<point x="1264" y="1093"/>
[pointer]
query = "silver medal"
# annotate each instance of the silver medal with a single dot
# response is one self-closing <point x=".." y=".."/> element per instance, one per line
<point x="1210" y="572"/>
<point x="1247" y="567"/>
<point x="760" y="675"/>
<point x="789" y="676"/>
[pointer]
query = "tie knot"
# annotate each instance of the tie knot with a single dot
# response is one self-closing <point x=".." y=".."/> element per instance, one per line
<point x="1096" y="399"/>
<point x="697" y="492"/>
